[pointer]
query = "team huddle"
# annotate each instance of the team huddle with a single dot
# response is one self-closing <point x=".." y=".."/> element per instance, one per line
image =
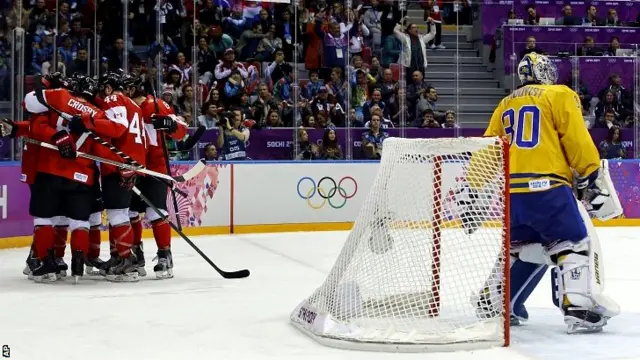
<point x="113" y="118"/>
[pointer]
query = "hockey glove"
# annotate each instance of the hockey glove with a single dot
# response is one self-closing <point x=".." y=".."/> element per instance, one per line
<point x="8" y="128"/>
<point x="127" y="179"/>
<point x="164" y="123"/>
<point x="66" y="146"/>
<point x="78" y="123"/>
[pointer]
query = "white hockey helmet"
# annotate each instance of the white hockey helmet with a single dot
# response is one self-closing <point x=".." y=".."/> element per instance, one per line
<point x="537" y="69"/>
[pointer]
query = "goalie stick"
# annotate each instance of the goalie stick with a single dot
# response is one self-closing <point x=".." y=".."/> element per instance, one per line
<point x="225" y="274"/>
<point x="190" y="174"/>
<point x="40" y="97"/>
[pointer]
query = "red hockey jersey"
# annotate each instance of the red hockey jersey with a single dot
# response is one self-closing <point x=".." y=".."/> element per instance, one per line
<point x="124" y="126"/>
<point x="155" y="151"/>
<point x="29" y="163"/>
<point x="47" y="123"/>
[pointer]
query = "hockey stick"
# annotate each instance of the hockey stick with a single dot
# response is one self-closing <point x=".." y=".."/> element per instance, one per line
<point x="165" y="152"/>
<point x="190" y="174"/>
<point x="40" y="97"/>
<point x="192" y="140"/>
<point x="225" y="274"/>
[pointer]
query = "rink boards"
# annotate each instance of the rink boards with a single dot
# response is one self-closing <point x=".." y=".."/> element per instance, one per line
<point x="246" y="197"/>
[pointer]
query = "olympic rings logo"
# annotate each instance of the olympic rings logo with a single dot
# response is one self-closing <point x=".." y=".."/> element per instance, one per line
<point x="327" y="195"/>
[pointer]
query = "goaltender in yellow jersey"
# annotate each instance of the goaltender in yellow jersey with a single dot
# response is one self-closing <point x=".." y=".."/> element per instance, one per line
<point x="547" y="134"/>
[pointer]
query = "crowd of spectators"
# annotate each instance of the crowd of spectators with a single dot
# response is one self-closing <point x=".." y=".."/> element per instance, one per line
<point x="309" y="64"/>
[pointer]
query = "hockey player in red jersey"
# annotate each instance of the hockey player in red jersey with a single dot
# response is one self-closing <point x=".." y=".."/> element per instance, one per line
<point x="63" y="179"/>
<point x="159" y="119"/>
<point x="124" y="126"/>
<point x="30" y="153"/>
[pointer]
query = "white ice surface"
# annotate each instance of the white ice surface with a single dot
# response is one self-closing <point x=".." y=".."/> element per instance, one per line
<point x="199" y="315"/>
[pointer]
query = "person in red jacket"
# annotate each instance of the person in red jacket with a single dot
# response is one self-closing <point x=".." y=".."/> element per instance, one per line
<point x="123" y="124"/>
<point x="63" y="183"/>
<point x="159" y="121"/>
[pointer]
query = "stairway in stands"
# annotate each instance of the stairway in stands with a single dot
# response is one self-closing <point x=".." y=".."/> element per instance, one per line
<point x="479" y="92"/>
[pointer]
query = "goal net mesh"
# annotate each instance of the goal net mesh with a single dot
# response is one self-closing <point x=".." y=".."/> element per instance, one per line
<point x="430" y="236"/>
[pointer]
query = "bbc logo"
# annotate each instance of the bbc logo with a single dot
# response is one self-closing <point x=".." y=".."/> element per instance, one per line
<point x="6" y="352"/>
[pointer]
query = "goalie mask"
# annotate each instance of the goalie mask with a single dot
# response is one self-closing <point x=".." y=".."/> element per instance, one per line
<point x="537" y="69"/>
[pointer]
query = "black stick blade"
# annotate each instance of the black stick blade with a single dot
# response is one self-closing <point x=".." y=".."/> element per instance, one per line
<point x="240" y="274"/>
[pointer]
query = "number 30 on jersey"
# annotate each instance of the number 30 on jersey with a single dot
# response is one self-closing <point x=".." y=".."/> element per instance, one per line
<point x="522" y="127"/>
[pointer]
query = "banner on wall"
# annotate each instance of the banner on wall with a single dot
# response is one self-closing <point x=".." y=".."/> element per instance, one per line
<point x="206" y="204"/>
<point x="14" y="203"/>
<point x="277" y="144"/>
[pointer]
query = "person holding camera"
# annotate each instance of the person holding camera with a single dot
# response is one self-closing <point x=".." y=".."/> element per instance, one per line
<point x="232" y="136"/>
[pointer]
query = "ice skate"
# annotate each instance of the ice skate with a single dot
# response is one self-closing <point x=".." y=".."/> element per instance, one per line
<point x="93" y="266"/>
<point x="46" y="271"/>
<point x="583" y="321"/>
<point x="77" y="265"/>
<point x="109" y="263"/>
<point x="32" y="263"/>
<point x="62" y="268"/>
<point x="140" y="262"/>
<point x="123" y="269"/>
<point x="164" y="267"/>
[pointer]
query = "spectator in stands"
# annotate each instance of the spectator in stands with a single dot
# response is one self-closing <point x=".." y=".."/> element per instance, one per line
<point x="591" y="18"/>
<point x="611" y="147"/>
<point x="173" y="85"/>
<point x="576" y="83"/>
<point x="372" y="22"/>
<point x="79" y="38"/>
<point x="337" y="86"/>
<point x="376" y="69"/>
<point x="214" y="97"/>
<point x="459" y="12"/>
<point x="376" y="100"/>
<point x="568" y="18"/>
<point x="304" y="148"/>
<point x="334" y="44"/>
<point x="330" y="149"/>
<point x="262" y="105"/>
<point x="49" y="66"/>
<point x="220" y="42"/>
<point x="42" y="50"/>
<point x="387" y="85"/>
<point x="428" y="120"/>
<point x="609" y="105"/>
<point x="385" y="122"/>
<point x="227" y="66"/>
<point x="450" y="120"/>
<point x="289" y="32"/>
<point x="80" y="64"/>
<point x="278" y="68"/>
<point x="183" y="66"/>
<point x="357" y="31"/>
<point x="414" y="53"/>
<point x="39" y="18"/>
<point x="185" y="103"/>
<point x="209" y="117"/>
<point x="360" y="91"/>
<point x="589" y="48"/>
<point x="612" y="18"/>
<point x="372" y="139"/>
<point x="432" y="9"/>
<point x="167" y="48"/>
<point x="269" y="45"/>
<point x="63" y="12"/>
<point x="531" y="47"/>
<point x="273" y="119"/>
<point x="533" y="18"/>
<point x="415" y="89"/>
<point x="614" y="45"/>
<point x="401" y="114"/>
<point x="116" y="55"/>
<point x="67" y="52"/>
<point x="232" y="136"/>
<point x="206" y="62"/>
<point x="622" y="95"/>
<point x="428" y="100"/>
<point x="392" y="50"/>
<point x="210" y="152"/>
<point x="313" y="86"/>
<point x="169" y="97"/>
<point x="234" y="25"/>
<point x="249" y="40"/>
<point x="210" y="14"/>
<point x="233" y="89"/>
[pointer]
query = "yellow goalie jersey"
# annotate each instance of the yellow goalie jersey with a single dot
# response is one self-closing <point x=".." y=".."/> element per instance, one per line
<point x="547" y="136"/>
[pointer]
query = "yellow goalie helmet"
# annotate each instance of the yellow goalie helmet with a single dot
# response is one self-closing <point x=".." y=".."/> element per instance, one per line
<point x="537" y="69"/>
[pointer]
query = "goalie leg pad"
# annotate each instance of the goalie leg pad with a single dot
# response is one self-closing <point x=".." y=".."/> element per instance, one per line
<point x="578" y="281"/>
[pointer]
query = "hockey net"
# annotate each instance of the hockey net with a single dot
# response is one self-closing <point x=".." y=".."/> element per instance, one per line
<point x="412" y="273"/>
